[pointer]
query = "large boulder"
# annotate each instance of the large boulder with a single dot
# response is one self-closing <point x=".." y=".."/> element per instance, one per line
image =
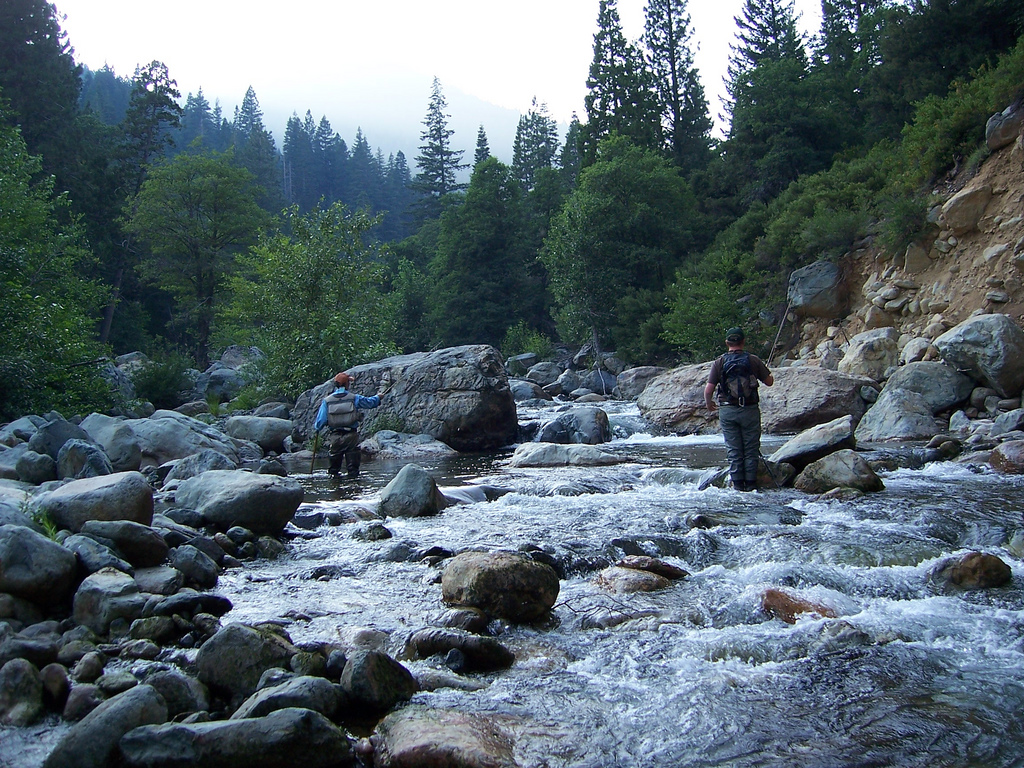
<point x="304" y="692"/>
<point x="842" y="469"/>
<point x="555" y="455"/>
<point x="420" y="736"/>
<point x="816" y="443"/>
<point x="121" y="496"/>
<point x="34" y="567"/>
<point x="375" y="682"/>
<point x="545" y="373"/>
<point x="78" y="459"/>
<point x="1008" y="457"/>
<point x="819" y="290"/>
<point x="961" y="212"/>
<point x="480" y="653"/>
<point x="391" y="445"/>
<point x="1004" y="127"/>
<point x="168" y="435"/>
<point x="106" y="596"/>
<point x="899" y="414"/>
<point x="458" y="395"/>
<point x="117" y="439"/>
<point x="287" y="737"/>
<point x="268" y="433"/>
<point x="989" y="349"/>
<point x="204" y="461"/>
<point x="871" y="354"/>
<point x="232" y="661"/>
<point x="802" y="397"/>
<point x="93" y="741"/>
<point x="141" y="545"/>
<point x="632" y="381"/>
<point x="585" y="425"/>
<point x="49" y="437"/>
<point x="226" y="498"/>
<point x="941" y="386"/>
<point x="21" y="694"/>
<point x="503" y="584"/>
<point x="411" y="493"/>
<point x="218" y="382"/>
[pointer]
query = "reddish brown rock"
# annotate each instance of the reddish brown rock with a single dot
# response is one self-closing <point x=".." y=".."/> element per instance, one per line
<point x="782" y="605"/>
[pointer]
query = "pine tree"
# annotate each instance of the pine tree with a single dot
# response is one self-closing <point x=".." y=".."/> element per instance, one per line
<point x="536" y="144"/>
<point x="483" y="150"/>
<point x="688" y="125"/>
<point x="439" y="164"/>
<point x="151" y="121"/>
<point x="570" y="157"/>
<point x="197" y="120"/>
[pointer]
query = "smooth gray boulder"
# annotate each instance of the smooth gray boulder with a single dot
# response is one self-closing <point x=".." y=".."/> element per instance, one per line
<point x="633" y="381"/>
<point x="842" y="469"/>
<point x="49" y="437"/>
<point x="505" y="585"/>
<point x="106" y="596"/>
<point x="120" y="496"/>
<point x="94" y="555"/>
<point x="1010" y="421"/>
<point x="458" y="395"/>
<point x="545" y="373"/>
<point x="819" y="290"/>
<point x="962" y="212"/>
<point x="269" y="433"/>
<point x="168" y="435"/>
<point x="816" y="442"/>
<point x="232" y="662"/>
<point x="988" y="348"/>
<point x="93" y="741"/>
<point x="481" y="654"/>
<point x="117" y="439"/>
<point x="1003" y="128"/>
<point x="140" y="544"/>
<point x="21" y="694"/>
<point x="411" y="493"/>
<point x="35" y="468"/>
<point x="262" y="503"/>
<point x="585" y="425"/>
<point x="555" y="455"/>
<point x="423" y="736"/>
<point x="387" y="444"/>
<point x="941" y="386"/>
<point x="898" y="414"/>
<point x="283" y="739"/>
<point x="375" y="682"/>
<point x="304" y="692"/>
<point x="78" y="459"/>
<point x="33" y="567"/>
<point x="182" y="693"/>
<point x="204" y="461"/>
<point x="871" y="354"/>
<point x="527" y="390"/>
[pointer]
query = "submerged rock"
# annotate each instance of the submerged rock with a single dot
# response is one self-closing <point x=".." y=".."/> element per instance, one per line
<point x="843" y="469"/>
<point x="505" y="585"/>
<point x="782" y="605"/>
<point x="419" y="736"/>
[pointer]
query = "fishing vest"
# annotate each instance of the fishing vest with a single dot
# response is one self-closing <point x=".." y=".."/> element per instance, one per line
<point x="738" y="385"/>
<point x="341" y="411"/>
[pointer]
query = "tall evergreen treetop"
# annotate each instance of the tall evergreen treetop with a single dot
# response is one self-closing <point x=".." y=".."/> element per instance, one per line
<point x="535" y="145"/>
<point x="483" y="149"/>
<point x="439" y="164"/>
<point x="152" y="118"/>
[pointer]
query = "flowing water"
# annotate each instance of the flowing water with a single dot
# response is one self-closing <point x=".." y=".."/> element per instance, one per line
<point x="912" y="673"/>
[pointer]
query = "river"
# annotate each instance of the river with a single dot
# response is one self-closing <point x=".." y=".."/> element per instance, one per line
<point x="910" y="674"/>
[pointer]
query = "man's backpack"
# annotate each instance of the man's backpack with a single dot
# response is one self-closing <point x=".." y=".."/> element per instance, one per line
<point x="341" y="411"/>
<point x="738" y="385"/>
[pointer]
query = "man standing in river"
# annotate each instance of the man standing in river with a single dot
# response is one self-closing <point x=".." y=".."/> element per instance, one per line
<point x="736" y="375"/>
<point x="340" y="412"/>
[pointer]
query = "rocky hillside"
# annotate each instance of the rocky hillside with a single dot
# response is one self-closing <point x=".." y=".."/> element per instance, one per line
<point x="971" y="261"/>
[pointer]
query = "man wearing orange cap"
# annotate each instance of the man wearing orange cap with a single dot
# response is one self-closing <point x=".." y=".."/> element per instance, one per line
<point x="339" y="411"/>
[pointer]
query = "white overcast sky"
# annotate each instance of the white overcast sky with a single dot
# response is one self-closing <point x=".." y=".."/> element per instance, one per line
<point x="370" y="64"/>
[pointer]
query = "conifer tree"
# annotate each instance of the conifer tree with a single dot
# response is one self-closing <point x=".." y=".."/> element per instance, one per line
<point x="536" y="144"/>
<point x="483" y="149"/>
<point x="438" y="162"/>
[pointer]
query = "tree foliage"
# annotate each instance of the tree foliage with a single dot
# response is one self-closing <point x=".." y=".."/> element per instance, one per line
<point x="438" y="161"/>
<point x="313" y="300"/>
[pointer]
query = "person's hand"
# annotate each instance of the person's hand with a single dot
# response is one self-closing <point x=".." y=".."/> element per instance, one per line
<point x="712" y="406"/>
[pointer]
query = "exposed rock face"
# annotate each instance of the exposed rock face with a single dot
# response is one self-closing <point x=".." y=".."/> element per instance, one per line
<point x="418" y="736"/>
<point x="1003" y="128"/>
<point x="226" y="498"/>
<point x="871" y="354"/>
<point x="990" y="349"/>
<point x="33" y="567"/>
<point x="802" y="397"/>
<point x="459" y="396"/>
<point x="819" y="290"/>
<point x="412" y="493"/>
<point x="940" y="385"/>
<point x="503" y="584"/>
<point x="816" y="443"/>
<point x="287" y="737"/>
<point x="121" y="496"/>
<point x="842" y="469"/>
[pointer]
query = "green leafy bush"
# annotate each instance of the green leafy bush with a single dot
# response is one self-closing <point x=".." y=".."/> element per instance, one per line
<point x="163" y="382"/>
<point x="520" y="339"/>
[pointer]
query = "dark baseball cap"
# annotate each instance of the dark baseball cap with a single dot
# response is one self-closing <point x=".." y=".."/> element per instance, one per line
<point x="735" y="334"/>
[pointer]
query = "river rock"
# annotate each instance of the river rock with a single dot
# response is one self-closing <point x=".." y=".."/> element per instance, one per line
<point x="976" y="570"/>
<point x="268" y="433"/>
<point x="871" y="354"/>
<point x="988" y="348"/>
<point x="106" y="596"/>
<point x="20" y="430"/>
<point x="581" y="425"/>
<point x="93" y="742"/>
<point x="283" y="739"/>
<point x="544" y="373"/>
<point x="182" y="693"/>
<point x="1008" y="457"/>
<point x="816" y="443"/>
<point x="421" y="736"/>
<point x="232" y="661"/>
<point x="117" y="439"/>
<point x="78" y="459"/>
<point x="21" y="694"/>
<point x="819" y="290"/>
<point x="226" y="498"/>
<point x="120" y="496"/>
<point x="411" y="493"/>
<point x="198" y="568"/>
<point x="51" y="436"/>
<point x="35" y="468"/>
<point x="188" y="603"/>
<point x="168" y="435"/>
<point x="523" y="390"/>
<point x="218" y="382"/>
<point x="962" y="211"/>
<point x="782" y="605"/>
<point x="503" y="584"/>
<point x="159" y="580"/>
<point x="627" y="580"/>
<point x="375" y="682"/>
<point x="631" y="382"/>
<point x="33" y="567"/>
<point x="204" y="461"/>
<point x="554" y="455"/>
<point x="898" y="415"/>
<point x="94" y="555"/>
<point x="304" y="692"/>
<point x="481" y="654"/>
<point x="1003" y="128"/>
<point x="599" y="381"/>
<point x="458" y="395"/>
<point x="941" y="386"/>
<point x="141" y="546"/>
<point x="842" y="469"/>
<point x="56" y="685"/>
<point x="1010" y="421"/>
<point x="388" y="444"/>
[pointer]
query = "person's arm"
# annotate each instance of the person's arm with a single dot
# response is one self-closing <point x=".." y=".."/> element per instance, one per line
<point x="763" y="374"/>
<point x="321" y="416"/>
<point x="709" y="392"/>
<point x="367" y="402"/>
